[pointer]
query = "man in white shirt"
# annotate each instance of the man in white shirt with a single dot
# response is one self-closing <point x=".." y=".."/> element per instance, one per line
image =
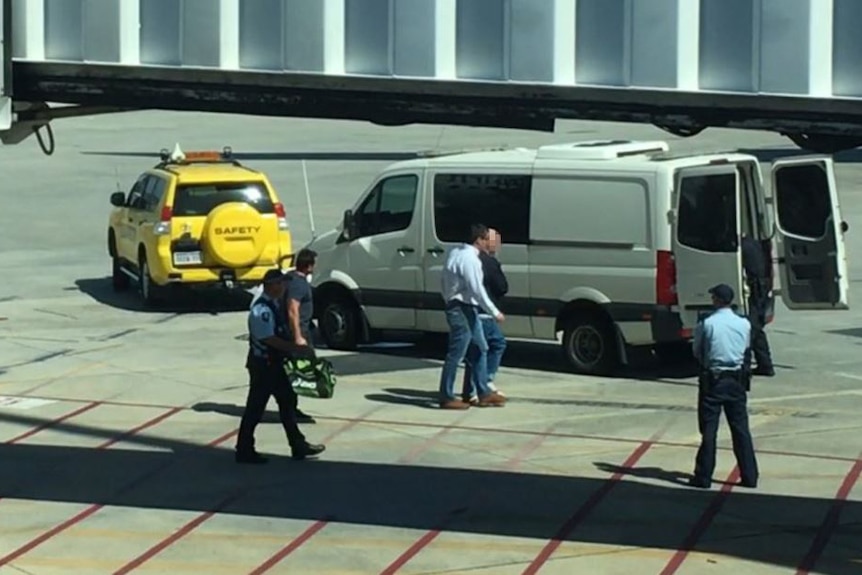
<point x="464" y="292"/>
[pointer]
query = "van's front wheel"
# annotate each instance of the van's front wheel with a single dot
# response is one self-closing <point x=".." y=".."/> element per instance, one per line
<point x="339" y="324"/>
<point x="589" y="345"/>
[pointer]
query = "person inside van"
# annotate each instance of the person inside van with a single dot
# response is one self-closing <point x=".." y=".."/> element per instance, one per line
<point x="497" y="286"/>
<point x="754" y="263"/>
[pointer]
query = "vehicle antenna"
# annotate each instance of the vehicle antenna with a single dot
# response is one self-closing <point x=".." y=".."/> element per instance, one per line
<point x="308" y="199"/>
<point x="117" y="177"/>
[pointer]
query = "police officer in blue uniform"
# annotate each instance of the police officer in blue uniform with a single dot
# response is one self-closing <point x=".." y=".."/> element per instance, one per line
<point x="268" y="346"/>
<point x="722" y="345"/>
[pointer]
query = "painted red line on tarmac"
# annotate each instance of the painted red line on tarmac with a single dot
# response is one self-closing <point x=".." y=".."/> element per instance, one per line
<point x="314" y="528"/>
<point x="234" y="496"/>
<point x="290" y="547"/>
<point x="432" y="534"/>
<point x="584" y="510"/>
<point x="703" y="523"/>
<point x="830" y="522"/>
<point x="32" y="544"/>
<point x="53" y="422"/>
<point x="500" y="430"/>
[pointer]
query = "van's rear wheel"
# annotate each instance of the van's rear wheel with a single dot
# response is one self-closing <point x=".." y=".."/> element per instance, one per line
<point x="589" y="345"/>
<point x="339" y="324"/>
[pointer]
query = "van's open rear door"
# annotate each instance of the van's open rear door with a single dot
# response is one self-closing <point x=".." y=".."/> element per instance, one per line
<point x="706" y="237"/>
<point x="811" y="256"/>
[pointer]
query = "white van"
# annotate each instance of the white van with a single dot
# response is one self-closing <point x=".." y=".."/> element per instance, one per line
<point x="609" y="243"/>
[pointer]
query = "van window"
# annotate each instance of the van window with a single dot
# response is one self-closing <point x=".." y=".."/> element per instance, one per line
<point x="500" y="201"/>
<point x="586" y="210"/>
<point x="803" y="200"/>
<point x="201" y="199"/>
<point x="389" y="207"/>
<point x="707" y="218"/>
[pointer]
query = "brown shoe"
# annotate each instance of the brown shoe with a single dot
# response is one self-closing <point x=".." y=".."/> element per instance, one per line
<point x="492" y="400"/>
<point x="454" y="404"/>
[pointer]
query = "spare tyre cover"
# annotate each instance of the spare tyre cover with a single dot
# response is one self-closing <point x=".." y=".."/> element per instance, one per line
<point x="234" y="234"/>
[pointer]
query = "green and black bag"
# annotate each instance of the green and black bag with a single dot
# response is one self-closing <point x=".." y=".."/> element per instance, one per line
<point x="312" y="377"/>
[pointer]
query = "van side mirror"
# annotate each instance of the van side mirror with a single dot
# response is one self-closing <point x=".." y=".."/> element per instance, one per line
<point x="844" y="227"/>
<point x="118" y="199"/>
<point x="349" y="225"/>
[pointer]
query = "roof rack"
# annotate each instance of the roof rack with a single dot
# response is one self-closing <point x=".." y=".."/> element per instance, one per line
<point x="601" y="149"/>
<point x="179" y="158"/>
<point x="440" y="153"/>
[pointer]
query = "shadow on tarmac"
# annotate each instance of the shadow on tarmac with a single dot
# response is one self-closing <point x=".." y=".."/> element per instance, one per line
<point x="179" y="301"/>
<point x="771" y="529"/>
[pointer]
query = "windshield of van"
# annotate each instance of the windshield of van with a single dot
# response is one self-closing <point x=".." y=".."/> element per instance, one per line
<point x="707" y="213"/>
<point x="201" y="199"/>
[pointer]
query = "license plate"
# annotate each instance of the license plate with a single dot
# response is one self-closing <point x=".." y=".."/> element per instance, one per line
<point x="187" y="258"/>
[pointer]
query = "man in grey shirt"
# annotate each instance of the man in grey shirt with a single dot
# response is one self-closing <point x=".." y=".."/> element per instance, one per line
<point x="298" y="305"/>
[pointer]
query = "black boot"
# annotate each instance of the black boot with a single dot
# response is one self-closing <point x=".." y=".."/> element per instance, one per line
<point x="307" y="450"/>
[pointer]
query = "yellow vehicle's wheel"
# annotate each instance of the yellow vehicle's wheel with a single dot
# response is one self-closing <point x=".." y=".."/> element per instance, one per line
<point x="145" y="282"/>
<point x="234" y="234"/>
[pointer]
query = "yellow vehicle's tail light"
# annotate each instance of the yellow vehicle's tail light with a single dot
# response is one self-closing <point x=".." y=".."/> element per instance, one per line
<point x="281" y="215"/>
<point x="163" y="227"/>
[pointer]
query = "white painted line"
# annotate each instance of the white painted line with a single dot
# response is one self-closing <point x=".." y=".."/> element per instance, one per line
<point x="808" y="395"/>
<point x="22" y="403"/>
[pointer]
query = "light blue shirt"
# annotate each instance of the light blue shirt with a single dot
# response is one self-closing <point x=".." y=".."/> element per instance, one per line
<point x="463" y="279"/>
<point x="720" y="341"/>
<point x="261" y="324"/>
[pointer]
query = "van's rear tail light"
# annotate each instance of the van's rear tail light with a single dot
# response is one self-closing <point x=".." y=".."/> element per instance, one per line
<point x="665" y="279"/>
<point x="163" y="226"/>
<point x="282" y="216"/>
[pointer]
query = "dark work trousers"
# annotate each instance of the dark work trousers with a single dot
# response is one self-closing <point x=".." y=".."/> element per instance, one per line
<point x="724" y="392"/>
<point x="759" y="344"/>
<point x="265" y="381"/>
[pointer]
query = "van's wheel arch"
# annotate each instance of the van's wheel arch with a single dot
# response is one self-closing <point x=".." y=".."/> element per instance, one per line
<point x="340" y="319"/>
<point x="590" y="344"/>
<point x="119" y="280"/>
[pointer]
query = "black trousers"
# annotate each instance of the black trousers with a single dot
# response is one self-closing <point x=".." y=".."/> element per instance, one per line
<point x="725" y="392"/>
<point x="267" y="381"/>
<point x="759" y="344"/>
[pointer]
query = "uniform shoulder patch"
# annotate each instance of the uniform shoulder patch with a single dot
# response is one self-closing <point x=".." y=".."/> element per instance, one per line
<point x="266" y="316"/>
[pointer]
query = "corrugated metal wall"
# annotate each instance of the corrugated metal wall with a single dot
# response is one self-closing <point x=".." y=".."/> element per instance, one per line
<point x="804" y="47"/>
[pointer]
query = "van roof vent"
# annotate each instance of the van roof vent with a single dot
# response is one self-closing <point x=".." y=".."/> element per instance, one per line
<point x="600" y="150"/>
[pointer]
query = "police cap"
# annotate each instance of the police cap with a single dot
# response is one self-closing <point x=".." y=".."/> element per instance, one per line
<point x="722" y="292"/>
<point x="273" y="276"/>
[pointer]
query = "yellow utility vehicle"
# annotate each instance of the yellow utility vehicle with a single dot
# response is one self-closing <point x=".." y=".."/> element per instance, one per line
<point x="197" y="219"/>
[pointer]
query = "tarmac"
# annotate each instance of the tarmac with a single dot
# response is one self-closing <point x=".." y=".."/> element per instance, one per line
<point x="117" y="424"/>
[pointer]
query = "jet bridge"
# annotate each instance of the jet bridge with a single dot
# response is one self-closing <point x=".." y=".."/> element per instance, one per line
<point x="789" y="66"/>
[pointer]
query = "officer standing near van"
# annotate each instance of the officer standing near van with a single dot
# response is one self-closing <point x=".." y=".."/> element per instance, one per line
<point x="722" y="347"/>
<point x="268" y="345"/>
<point x="754" y="263"/>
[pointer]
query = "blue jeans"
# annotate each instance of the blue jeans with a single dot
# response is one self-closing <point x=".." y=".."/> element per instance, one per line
<point x="464" y="328"/>
<point x="496" y="347"/>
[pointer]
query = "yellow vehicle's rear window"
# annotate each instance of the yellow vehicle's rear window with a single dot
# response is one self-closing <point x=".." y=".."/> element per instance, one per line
<point x="201" y="199"/>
